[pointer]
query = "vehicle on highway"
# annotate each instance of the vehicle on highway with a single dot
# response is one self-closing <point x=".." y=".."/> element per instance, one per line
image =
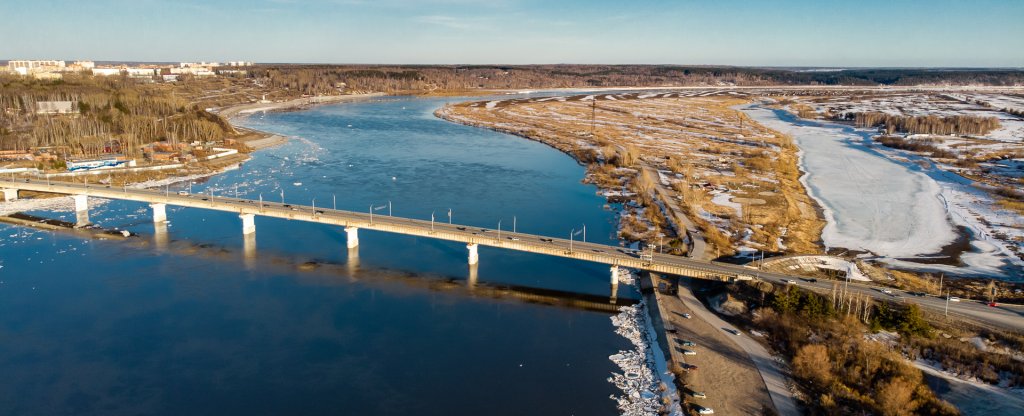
<point x="788" y="281"/>
<point x="886" y="291"/>
<point x="687" y="316"/>
<point x="732" y="331"/>
<point x="699" y="395"/>
<point x="809" y="279"/>
<point x="705" y="410"/>
<point x="992" y="304"/>
<point x="954" y="299"/>
<point x="484" y="230"/>
<point x="688" y="343"/>
<point x="182" y="193"/>
<point x="460" y="228"/>
<point x="689" y="367"/>
<point x="514" y="238"/>
<point x="689" y="352"/>
<point x="319" y="211"/>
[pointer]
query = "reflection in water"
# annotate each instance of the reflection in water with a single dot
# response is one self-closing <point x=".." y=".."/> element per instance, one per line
<point x="160" y="236"/>
<point x="473" y="271"/>
<point x="353" y="262"/>
<point x="249" y="250"/>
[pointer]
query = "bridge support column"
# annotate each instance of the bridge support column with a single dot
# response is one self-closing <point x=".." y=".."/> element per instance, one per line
<point x="352" y="234"/>
<point x="81" y="210"/>
<point x="615" y="275"/>
<point x="474" y="256"/>
<point x="248" y="223"/>
<point x="9" y="194"/>
<point x="159" y="212"/>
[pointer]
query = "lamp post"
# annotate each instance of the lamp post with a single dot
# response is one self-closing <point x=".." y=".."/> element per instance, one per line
<point x="513" y="223"/>
<point x="334" y="197"/>
<point x="432" y="221"/>
<point x="499" y="230"/>
<point x="449" y="216"/>
<point x="261" y="201"/>
<point x="389" y="207"/>
<point x="571" y="232"/>
<point x="371" y="213"/>
<point x="584" y="233"/>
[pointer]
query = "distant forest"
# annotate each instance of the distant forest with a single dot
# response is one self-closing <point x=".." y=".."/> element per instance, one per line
<point x="322" y="79"/>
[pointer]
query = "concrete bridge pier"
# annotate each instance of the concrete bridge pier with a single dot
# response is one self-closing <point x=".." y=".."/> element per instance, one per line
<point x="352" y="237"/>
<point x="248" y="223"/>
<point x="81" y="210"/>
<point x="159" y="212"/>
<point x="474" y="256"/>
<point x="9" y="194"/>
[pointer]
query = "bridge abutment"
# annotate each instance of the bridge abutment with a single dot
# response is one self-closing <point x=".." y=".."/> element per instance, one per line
<point x="159" y="212"/>
<point x="248" y="223"/>
<point x="352" y="237"/>
<point x="474" y="255"/>
<point x="9" y="194"/>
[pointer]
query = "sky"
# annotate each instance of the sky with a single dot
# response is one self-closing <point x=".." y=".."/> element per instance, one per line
<point x="823" y="33"/>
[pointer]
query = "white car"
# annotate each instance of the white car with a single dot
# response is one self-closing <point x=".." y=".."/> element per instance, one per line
<point x="687" y="316"/>
<point x="699" y="395"/>
<point x="705" y="410"/>
<point x="689" y="352"/>
<point x="954" y="299"/>
<point x="789" y="281"/>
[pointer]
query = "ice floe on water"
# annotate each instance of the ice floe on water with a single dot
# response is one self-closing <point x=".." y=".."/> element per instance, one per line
<point x="644" y="379"/>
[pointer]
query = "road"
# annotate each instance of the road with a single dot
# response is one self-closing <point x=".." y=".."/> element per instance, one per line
<point x="1005" y="317"/>
<point x="698" y="246"/>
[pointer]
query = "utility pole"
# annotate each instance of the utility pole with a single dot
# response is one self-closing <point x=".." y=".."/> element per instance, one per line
<point x="941" y="275"/>
<point x="593" y="113"/>
<point x="947" y="304"/>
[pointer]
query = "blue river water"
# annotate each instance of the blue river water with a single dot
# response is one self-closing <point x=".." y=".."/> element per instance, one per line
<point x="194" y="319"/>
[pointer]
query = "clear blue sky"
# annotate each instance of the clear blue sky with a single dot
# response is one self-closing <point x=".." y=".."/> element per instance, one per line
<point x="976" y="33"/>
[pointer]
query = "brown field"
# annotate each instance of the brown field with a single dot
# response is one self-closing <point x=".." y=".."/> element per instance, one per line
<point x="692" y="145"/>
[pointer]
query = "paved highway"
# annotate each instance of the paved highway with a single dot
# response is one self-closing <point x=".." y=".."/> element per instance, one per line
<point x="1006" y="317"/>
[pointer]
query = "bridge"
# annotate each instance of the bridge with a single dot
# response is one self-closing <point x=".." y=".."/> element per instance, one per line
<point x="248" y="209"/>
<point x="1007" y="317"/>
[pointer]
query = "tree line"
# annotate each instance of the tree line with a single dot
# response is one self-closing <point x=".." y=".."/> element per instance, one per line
<point x="929" y="124"/>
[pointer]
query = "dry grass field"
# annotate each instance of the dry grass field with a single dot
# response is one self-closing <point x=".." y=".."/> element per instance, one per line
<point x="737" y="180"/>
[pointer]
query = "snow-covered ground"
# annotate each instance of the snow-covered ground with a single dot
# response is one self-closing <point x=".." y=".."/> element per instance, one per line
<point x="880" y="201"/>
<point x="871" y="203"/>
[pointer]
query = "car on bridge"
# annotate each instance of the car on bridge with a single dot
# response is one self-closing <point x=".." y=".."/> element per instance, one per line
<point x="705" y="410"/>
<point x="731" y="331"/>
<point x="689" y="352"/>
<point x="686" y="343"/>
<point x="699" y="395"/>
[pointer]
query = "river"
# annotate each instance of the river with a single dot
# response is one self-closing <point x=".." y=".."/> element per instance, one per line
<point x="192" y="319"/>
